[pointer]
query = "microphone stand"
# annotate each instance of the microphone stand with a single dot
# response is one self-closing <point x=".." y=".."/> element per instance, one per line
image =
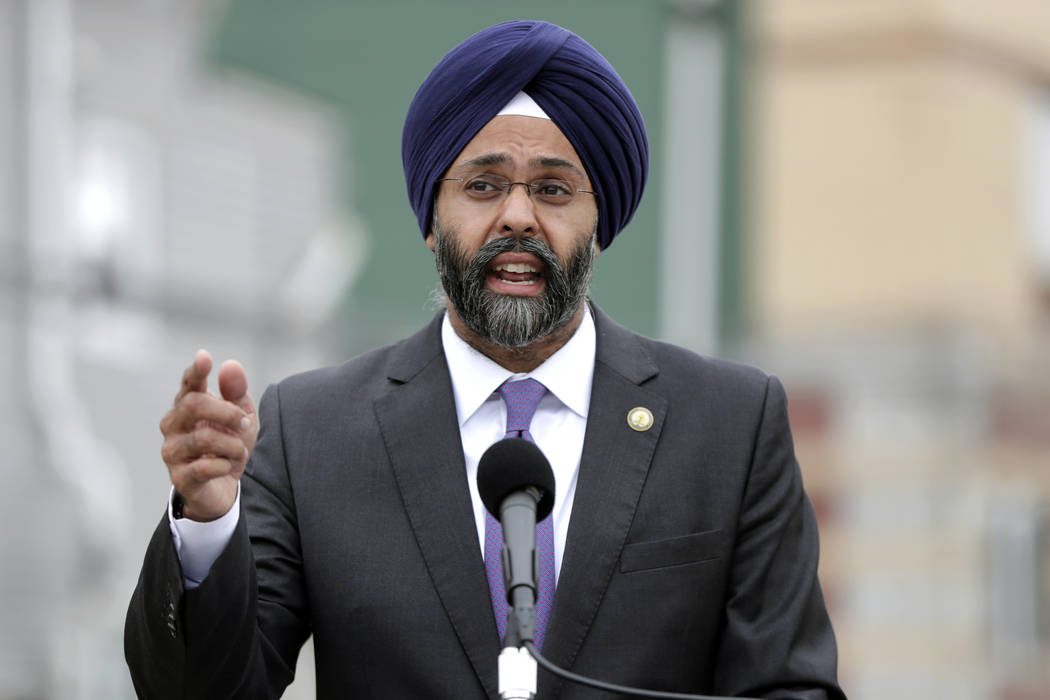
<point x="517" y="667"/>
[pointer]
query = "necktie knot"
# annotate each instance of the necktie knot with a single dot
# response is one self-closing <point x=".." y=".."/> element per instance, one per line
<point x="521" y="397"/>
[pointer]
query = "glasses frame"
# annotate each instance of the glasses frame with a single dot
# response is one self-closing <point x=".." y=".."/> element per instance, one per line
<point x="530" y="187"/>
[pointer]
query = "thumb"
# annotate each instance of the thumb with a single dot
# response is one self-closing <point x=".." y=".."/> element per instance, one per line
<point x="233" y="385"/>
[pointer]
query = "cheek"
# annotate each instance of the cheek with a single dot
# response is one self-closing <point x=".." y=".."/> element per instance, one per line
<point x="471" y="234"/>
<point x="470" y="228"/>
<point x="566" y="237"/>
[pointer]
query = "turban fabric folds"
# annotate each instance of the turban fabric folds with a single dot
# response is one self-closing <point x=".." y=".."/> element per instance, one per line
<point x="566" y="76"/>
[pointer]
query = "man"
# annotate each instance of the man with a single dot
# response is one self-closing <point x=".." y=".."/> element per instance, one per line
<point x="683" y="549"/>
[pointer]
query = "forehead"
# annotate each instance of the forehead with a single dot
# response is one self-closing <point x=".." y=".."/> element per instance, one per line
<point x="520" y="141"/>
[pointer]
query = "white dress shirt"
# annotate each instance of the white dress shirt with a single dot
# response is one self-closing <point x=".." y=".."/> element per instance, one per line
<point x="558" y="428"/>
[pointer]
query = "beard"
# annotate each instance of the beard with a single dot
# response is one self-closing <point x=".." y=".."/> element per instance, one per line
<point x="506" y="320"/>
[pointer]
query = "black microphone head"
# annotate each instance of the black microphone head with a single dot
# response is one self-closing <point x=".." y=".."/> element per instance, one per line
<point x="510" y="465"/>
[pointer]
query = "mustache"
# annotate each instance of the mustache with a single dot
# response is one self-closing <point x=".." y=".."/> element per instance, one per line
<point x="509" y="244"/>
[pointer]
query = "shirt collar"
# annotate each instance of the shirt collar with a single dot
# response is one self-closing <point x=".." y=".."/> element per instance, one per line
<point x="567" y="373"/>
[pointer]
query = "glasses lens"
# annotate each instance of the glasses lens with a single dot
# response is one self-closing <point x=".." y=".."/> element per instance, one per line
<point x="552" y="191"/>
<point x="484" y="186"/>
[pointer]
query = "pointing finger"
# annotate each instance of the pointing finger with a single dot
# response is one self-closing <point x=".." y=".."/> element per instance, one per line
<point x="195" y="378"/>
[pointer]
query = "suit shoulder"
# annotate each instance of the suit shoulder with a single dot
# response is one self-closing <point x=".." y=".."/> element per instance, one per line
<point x="368" y="374"/>
<point x="660" y="364"/>
<point x="726" y="395"/>
<point x="364" y="367"/>
<point x="681" y="363"/>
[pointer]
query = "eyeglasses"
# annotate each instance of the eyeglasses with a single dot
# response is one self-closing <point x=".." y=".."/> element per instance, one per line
<point x="488" y="187"/>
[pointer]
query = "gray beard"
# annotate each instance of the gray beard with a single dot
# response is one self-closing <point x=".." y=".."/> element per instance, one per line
<point x="512" y="321"/>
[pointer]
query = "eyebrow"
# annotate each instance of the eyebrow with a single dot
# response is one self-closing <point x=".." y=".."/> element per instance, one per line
<point x="489" y="159"/>
<point x="552" y="162"/>
<point x="485" y="160"/>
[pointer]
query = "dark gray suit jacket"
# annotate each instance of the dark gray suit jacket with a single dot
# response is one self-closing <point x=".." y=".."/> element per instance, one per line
<point x="690" y="563"/>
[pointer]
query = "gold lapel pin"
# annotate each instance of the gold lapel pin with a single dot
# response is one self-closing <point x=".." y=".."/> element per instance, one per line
<point x="640" y="419"/>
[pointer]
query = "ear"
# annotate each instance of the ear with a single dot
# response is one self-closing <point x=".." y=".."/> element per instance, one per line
<point x="431" y="238"/>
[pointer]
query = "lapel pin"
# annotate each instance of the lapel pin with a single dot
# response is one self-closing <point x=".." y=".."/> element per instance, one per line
<point x="640" y="419"/>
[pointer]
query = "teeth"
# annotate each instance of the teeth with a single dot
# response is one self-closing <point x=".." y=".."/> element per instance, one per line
<point x="516" y="267"/>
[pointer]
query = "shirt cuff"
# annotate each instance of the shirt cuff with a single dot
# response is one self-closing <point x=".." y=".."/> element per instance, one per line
<point x="200" y="544"/>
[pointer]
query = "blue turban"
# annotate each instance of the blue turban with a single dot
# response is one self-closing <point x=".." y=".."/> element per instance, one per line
<point x="573" y="83"/>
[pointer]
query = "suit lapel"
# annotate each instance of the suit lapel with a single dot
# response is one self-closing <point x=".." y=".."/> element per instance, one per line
<point x="417" y="419"/>
<point x="613" y="469"/>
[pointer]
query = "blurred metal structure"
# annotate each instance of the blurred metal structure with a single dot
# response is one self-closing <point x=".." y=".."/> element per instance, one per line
<point x="1018" y="577"/>
<point x="148" y="208"/>
<point x="697" y="58"/>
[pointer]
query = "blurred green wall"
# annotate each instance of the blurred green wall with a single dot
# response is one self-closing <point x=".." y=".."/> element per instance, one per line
<point x="368" y="59"/>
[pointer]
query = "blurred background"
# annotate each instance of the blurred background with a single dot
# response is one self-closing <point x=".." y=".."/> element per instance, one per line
<point x="851" y="194"/>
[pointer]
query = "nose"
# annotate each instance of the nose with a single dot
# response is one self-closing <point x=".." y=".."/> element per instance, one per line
<point x="517" y="214"/>
<point x="524" y="186"/>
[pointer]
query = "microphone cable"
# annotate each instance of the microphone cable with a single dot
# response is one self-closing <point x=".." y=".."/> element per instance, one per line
<point x="612" y="687"/>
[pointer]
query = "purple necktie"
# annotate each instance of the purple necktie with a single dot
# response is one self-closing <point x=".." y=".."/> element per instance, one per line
<point x="521" y="398"/>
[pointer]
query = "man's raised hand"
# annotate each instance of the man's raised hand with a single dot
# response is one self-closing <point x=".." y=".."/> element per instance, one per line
<point x="208" y="438"/>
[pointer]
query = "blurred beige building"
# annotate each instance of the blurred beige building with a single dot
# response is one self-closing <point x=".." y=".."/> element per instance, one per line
<point x="899" y="191"/>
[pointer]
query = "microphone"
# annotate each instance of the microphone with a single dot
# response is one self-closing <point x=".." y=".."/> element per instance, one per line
<point x="516" y="484"/>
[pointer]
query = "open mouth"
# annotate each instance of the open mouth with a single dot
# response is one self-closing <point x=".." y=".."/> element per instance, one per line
<point x="516" y="273"/>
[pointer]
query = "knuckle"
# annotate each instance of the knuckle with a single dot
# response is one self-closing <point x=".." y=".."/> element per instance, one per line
<point x="193" y="401"/>
<point x="227" y="416"/>
<point x="207" y="469"/>
<point x="198" y="470"/>
<point x="181" y="479"/>
<point x="203" y="440"/>
<point x="207" y="439"/>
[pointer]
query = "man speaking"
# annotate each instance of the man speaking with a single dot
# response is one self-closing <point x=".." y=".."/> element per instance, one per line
<point x="681" y="554"/>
